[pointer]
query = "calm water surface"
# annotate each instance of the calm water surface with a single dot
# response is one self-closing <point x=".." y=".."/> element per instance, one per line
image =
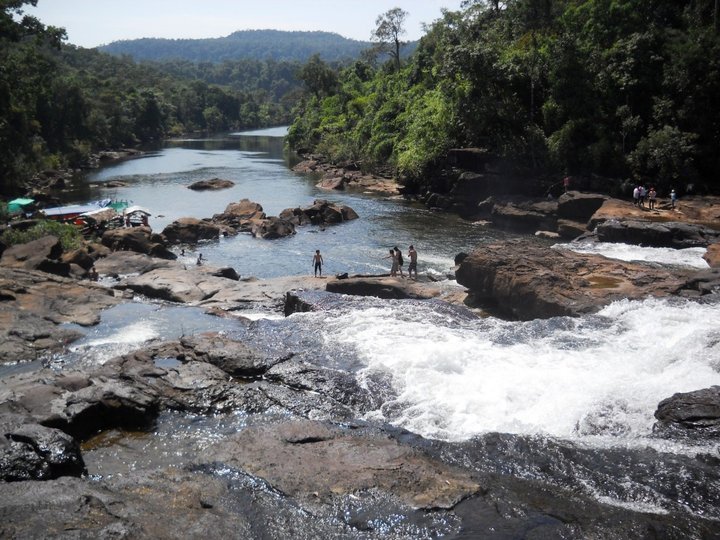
<point x="259" y="167"/>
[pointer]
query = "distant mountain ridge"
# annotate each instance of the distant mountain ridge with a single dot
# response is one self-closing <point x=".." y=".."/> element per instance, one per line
<point x="244" y="44"/>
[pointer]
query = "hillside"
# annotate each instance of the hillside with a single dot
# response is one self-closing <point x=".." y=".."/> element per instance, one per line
<point x="245" y="44"/>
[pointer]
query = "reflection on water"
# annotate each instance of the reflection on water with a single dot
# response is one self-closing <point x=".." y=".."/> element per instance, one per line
<point x="259" y="166"/>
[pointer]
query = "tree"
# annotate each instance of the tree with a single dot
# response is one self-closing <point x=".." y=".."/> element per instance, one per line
<point x="388" y="32"/>
<point x="318" y="77"/>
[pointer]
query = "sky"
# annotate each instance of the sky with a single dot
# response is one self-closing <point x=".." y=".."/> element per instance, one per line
<point x="90" y="23"/>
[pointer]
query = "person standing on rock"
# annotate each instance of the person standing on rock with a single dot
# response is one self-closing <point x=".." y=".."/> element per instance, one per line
<point x="318" y="262"/>
<point x="398" y="255"/>
<point x="636" y="196"/>
<point x="393" y="257"/>
<point x="652" y="196"/>
<point x="412" y="255"/>
<point x="199" y="260"/>
<point x="673" y="198"/>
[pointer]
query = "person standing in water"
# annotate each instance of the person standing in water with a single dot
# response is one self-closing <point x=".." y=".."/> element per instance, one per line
<point x="318" y="262"/>
<point x="412" y="255"/>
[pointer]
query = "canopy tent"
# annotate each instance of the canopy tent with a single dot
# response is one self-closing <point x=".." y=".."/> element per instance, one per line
<point x="18" y="205"/>
<point x="135" y="210"/>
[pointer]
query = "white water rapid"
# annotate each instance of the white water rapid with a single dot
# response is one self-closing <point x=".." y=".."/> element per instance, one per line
<point x="596" y="379"/>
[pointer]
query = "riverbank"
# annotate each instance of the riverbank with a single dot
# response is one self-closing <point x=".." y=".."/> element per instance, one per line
<point x="229" y="425"/>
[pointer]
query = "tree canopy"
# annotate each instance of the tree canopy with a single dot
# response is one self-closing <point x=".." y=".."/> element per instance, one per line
<point x="623" y="88"/>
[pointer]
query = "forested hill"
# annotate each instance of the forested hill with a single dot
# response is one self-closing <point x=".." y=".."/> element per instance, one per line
<point x="245" y="44"/>
<point x="623" y="89"/>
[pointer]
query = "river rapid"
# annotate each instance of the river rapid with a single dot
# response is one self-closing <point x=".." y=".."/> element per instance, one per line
<point x="568" y="402"/>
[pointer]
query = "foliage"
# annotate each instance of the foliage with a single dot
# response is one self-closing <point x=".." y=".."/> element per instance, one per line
<point x="243" y="45"/>
<point x="389" y="28"/>
<point x="622" y="88"/>
<point x="69" y="235"/>
<point x="59" y="104"/>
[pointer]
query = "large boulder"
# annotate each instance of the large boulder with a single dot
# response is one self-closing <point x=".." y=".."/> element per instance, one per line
<point x="245" y="209"/>
<point x="577" y="206"/>
<point x="697" y="411"/>
<point x="525" y="280"/>
<point x="189" y="230"/>
<point x="321" y="212"/>
<point x="272" y="228"/>
<point x="525" y="216"/>
<point x="138" y="239"/>
<point x="668" y="234"/>
<point x="29" y="451"/>
<point x="42" y="254"/>
<point x="212" y="184"/>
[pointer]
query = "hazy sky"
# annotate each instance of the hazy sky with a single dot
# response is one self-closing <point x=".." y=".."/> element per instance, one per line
<point x="95" y="22"/>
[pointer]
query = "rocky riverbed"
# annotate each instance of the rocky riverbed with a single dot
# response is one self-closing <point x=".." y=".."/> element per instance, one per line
<point x="214" y="435"/>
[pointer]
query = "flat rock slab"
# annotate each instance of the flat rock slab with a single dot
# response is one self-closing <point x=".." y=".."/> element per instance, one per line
<point x="523" y="280"/>
<point x="312" y="459"/>
<point x="33" y="304"/>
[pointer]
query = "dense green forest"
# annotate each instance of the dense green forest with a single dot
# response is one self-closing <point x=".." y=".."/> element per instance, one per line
<point x="60" y="103"/>
<point x="628" y="89"/>
<point x="245" y="44"/>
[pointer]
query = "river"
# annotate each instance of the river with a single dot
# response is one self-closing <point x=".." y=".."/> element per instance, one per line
<point x="588" y="385"/>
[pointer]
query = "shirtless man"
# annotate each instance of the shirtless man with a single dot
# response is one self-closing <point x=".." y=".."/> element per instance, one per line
<point x="318" y="262"/>
<point x="412" y="255"/>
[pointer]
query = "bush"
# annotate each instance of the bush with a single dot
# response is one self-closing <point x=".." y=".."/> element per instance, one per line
<point x="69" y="235"/>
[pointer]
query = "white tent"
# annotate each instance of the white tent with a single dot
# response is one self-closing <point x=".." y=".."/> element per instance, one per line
<point x="135" y="210"/>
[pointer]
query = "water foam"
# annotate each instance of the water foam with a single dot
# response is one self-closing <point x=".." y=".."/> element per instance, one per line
<point x="601" y="375"/>
<point x="688" y="257"/>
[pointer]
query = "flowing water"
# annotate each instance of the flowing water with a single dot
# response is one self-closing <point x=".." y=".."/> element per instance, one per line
<point x="590" y="383"/>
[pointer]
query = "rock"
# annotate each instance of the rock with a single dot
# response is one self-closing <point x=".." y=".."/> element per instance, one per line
<point x="190" y="231"/>
<point x="524" y="280"/>
<point x="119" y="263"/>
<point x="527" y="216"/>
<point x="80" y="257"/>
<point x="212" y="184"/>
<point x="712" y="255"/>
<point x="333" y="182"/>
<point x="33" y="306"/>
<point x="570" y="229"/>
<point x="577" y="206"/>
<point x="691" y="411"/>
<point x="381" y="287"/>
<point x="41" y="254"/>
<point x="669" y="234"/>
<point x="233" y="357"/>
<point x="307" y="459"/>
<point x="29" y="451"/>
<point x="551" y="235"/>
<point x="321" y="212"/>
<point x="272" y="228"/>
<point x="138" y="239"/>
<point x="694" y="210"/>
<point x="245" y="209"/>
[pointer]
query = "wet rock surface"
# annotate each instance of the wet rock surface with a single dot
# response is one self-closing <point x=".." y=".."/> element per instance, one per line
<point x="287" y="458"/>
<point x="668" y="234"/>
<point x="524" y="281"/>
<point x="34" y="304"/>
<point x="691" y="413"/>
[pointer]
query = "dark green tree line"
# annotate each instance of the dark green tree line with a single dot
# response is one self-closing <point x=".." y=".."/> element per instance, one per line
<point x="621" y="88"/>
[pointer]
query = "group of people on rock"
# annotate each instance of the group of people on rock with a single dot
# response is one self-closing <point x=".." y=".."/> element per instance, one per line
<point x="642" y="194"/>
<point x="395" y="256"/>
